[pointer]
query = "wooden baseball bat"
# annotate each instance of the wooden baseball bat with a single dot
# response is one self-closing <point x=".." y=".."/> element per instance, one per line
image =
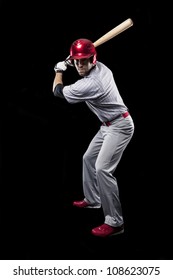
<point x="114" y="32"/>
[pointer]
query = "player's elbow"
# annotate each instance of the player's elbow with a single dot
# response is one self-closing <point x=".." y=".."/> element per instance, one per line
<point x="58" y="91"/>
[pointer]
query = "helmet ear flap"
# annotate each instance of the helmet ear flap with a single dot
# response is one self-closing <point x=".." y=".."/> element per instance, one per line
<point x="94" y="59"/>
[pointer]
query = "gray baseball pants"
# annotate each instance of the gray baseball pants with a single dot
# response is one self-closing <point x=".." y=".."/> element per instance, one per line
<point x="99" y="164"/>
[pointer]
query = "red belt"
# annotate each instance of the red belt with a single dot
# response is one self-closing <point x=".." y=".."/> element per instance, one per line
<point x="124" y="115"/>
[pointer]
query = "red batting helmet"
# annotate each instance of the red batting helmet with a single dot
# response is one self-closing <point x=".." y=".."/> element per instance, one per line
<point x="83" y="48"/>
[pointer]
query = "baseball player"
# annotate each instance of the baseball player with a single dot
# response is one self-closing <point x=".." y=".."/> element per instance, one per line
<point x="97" y="88"/>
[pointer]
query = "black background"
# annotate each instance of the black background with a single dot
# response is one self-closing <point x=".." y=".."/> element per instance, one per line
<point x="44" y="138"/>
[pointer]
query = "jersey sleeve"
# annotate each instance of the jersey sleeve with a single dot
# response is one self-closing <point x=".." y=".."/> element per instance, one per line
<point x="83" y="90"/>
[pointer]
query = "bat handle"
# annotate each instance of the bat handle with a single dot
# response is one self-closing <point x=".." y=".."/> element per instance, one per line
<point x="68" y="61"/>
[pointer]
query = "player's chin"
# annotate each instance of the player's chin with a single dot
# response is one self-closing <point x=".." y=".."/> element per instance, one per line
<point x="82" y="73"/>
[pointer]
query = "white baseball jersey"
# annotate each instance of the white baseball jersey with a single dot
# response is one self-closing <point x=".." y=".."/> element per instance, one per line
<point x="99" y="90"/>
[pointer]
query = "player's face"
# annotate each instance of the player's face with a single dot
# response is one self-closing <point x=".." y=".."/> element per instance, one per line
<point x="83" y="66"/>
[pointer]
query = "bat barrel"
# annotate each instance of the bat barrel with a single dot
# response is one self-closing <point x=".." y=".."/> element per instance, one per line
<point x="114" y="32"/>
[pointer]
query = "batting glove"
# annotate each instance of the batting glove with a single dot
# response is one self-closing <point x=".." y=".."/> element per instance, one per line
<point x="60" y="67"/>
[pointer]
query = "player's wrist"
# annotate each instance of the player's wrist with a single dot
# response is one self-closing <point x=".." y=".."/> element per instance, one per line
<point x="59" y="71"/>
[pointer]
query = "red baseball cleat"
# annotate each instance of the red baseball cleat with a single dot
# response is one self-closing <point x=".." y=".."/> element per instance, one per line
<point x="106" y="230"/>
<point x="80" y="204"/>
<point x="84" y="204"/>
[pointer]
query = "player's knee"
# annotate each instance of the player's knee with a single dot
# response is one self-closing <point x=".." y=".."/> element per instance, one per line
<point x="87" y="157"/>
<point x="99" y="169"/>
